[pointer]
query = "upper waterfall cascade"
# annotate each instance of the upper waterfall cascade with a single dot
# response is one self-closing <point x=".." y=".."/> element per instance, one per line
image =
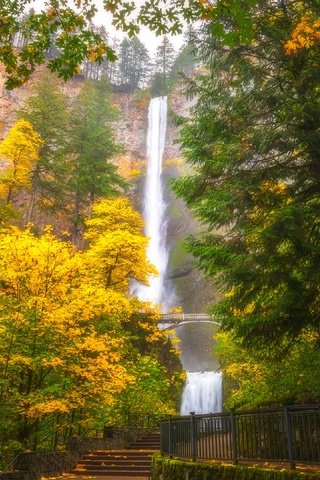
<point x="154" y="205"/>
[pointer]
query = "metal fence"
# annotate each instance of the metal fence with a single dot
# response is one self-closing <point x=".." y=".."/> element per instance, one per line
<point x="289" y="434"/>
<point x="145" y="420"/>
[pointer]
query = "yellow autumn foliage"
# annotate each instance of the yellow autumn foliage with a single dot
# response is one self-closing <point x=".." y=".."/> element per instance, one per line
<point x="70" y="333"/>
<point x="122" y="257"/>
<point x="47" y="301"/>
<point x="113" y="214"/>
<point x="304" y="35"/>
<point x="47" y="407"/>
<point x="20" y="149"/>
<point x="117" y="252"/>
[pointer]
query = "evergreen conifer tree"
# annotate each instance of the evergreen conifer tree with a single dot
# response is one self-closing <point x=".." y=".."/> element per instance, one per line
<point x="253" y="143"/>
<point x="91" y="148"/>
<point x="163" y="62"/>
<point x="134" y="64"/>
<point x="47" y="111"/>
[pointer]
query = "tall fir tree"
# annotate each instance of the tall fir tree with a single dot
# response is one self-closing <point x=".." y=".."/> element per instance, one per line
<point x="134" y="64"/>
<point x="91" y="148"/>
<point x="163" y="62"/>
<point x="253" y="143"/>
<point x="47" y="111"/>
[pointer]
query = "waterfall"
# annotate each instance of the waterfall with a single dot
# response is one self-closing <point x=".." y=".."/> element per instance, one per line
<point x="202" y="393"/>
<point x="154" y="205"/>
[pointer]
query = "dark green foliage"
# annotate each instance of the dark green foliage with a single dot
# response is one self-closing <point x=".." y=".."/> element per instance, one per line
<point x="91" y="146"/>
<point x="72" y="34"/>
<point x="163" y="62"/>
<point x="75" y="165"/>
<point x="253" y="143"/>
<point x="133" y="65"/>
<point x="47" y="111"/>
<point x="255" y="380"/>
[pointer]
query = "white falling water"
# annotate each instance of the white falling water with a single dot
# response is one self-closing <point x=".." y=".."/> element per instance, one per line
<point x="154" y="204"/>
<point x="202" y="393"/>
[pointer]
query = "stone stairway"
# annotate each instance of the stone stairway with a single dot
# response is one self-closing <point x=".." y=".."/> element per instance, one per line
<point x="135" y="461"/>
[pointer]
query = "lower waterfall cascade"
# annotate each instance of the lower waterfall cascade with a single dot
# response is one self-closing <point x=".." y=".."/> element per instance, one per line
<point x="202" y="393"/>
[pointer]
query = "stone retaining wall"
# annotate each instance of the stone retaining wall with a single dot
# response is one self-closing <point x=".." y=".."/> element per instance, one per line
<point x="34" y="465"/>
<point x="47" y="464"/>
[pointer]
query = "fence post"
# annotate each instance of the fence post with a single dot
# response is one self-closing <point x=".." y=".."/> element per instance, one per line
<point x="193" y="437"/>
<point x="108" y="431"/>
<point x="289" y="437"/>
<point x="170" y="437"/>
<point x="234" y="438"/>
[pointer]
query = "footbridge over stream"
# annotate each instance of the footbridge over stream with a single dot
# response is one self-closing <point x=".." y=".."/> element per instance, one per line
<point x="168" y="320"/>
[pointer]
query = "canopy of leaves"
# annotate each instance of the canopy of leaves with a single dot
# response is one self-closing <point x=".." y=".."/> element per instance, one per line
<point x="75" y="163"/>
<point x="117" y="243"/>
<point x="53" y="361"/>
<point x="164" y="60"/>
<point x="91" y="142"/>
<point x="133" y="66"/>
<point x="68" y="29"/>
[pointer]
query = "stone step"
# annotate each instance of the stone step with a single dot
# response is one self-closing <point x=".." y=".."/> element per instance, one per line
<point x="120" y="453"/>
<point x="144" y="442"/>
<point x="110" y="468"/>
<point x="156" y="441"/>
<point x="152" y="448"/>
<point x="117" y="473"/>
<point x="114" y="461"/>
<point x="135" y="461"/>
<point x="139" y="444"/>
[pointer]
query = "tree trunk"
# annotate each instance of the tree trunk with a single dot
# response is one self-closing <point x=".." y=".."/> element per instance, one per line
<point x="76" y="220"/>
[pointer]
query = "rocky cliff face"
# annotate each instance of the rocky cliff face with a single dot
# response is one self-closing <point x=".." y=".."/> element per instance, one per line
<point x="193" y="291"/>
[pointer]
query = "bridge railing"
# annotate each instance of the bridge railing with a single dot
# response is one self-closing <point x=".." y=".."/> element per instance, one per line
<point x="290" y="434"/>
<point x="181" y="317"/>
